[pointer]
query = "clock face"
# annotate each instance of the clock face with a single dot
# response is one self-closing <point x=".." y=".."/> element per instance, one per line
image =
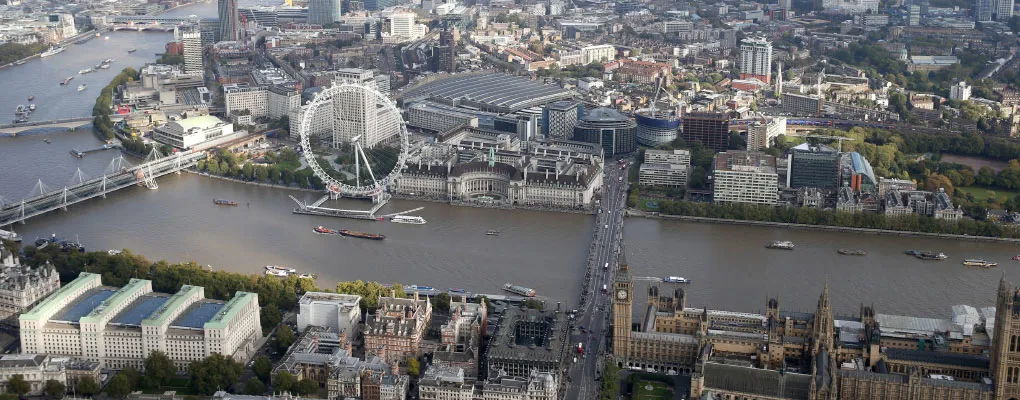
<point x="621" y="294"/>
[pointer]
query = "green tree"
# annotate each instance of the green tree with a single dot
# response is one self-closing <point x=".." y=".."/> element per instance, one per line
<point x="224" y="168"/>
<point x="262" y="367"/>
<point x="159" y="370"/>
<point x="284" y="382"/>
<point x="261" y="173"/>
<point x="216" y="372"/>
<point x="271" y="317"/>
<point x="248" y="170"/>
<point x="610" y="387"/>
<point x="985" y="177"/>
<point x="119" y="386"/>
<point x="254" y="387"/>
<point x="413" y="366"/>
<point x="18" y="385"/>
<point x="441" y="303"/>
<point x="212" y="167"/>
<point x="284" y="337"/>
<point x="87" y="386"/>
<point x="55" y="389"/>
<point x="306" y="387"/>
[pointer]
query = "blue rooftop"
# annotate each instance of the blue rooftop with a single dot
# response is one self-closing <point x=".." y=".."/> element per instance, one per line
<point x="199" y="314"/>
<point x="140" y="310"/>
<point x="85" y="306"/>
<point x="862" y="166"/>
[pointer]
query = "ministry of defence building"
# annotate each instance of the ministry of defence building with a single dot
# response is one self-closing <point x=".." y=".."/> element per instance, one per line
<point x="119" y="327"/>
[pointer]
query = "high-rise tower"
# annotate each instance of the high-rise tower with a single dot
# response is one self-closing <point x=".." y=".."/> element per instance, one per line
<point x="230" y="26"/>
<point x="756" y="59"/>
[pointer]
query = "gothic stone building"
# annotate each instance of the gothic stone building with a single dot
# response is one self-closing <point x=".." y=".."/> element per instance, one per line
<point x="821" y="356"/>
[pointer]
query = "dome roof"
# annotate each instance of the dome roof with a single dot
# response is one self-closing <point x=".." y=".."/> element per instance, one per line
<point x="604" y="114"/>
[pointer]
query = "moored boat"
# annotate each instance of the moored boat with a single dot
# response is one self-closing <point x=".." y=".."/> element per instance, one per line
<point x="780" y="245"/>
<point x="854" y="252"/>
<point x="361" y="235"/>
<point x="457" y="290"/>
<point x="223" y="202"/>
<point x="521" y="290"/>
<point x="676" y="279"/>
<point x="977" y="262"/>
<point x="419" y="287"/>
<point x="279" y="268"/>
<point x="51" y="51"/>
<point x="113" y="252"/>
<point x="927" y="255"/>
<point x="306" y="276"/>
<point x="273" y="272"/>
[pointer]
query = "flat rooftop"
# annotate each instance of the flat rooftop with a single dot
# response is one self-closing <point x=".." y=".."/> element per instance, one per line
<point x="85" y="305"/>
<point x="141" y="309"/>
<point x="497" y="92"/>
<point x="197" y="315"/>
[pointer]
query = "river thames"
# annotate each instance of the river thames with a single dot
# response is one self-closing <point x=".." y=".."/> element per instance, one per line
<point x="729" y="266"/>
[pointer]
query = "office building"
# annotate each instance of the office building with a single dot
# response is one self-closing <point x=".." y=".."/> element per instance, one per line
<point x="984" y="10"/>
<point x="1003" y="10"/>
<point x="191" y="41"/>
<point x="266" y="101"/>
<point x="119" y="327"/>
<point x="756" y="59"/>
<point x="960" y="91"/>
<point x="439" y="118"/>
<point x="814" y="167"/>
<point x="395" y="331"/>
<point x="798" y="104"/>
<point x="613" y="131"/>
<point x="745" y="177"/>
<point x="338" y="312"/>
<point x="444" y="55"/>
<point x="656" y="127"/>
<point x="35" y="369"/>
<point x="461" y="337"/>
<point x="762" y="133"/>
<point x="598" y="53"/>
<point x="668" y="168"/>
<point x="190" y="132"/>
<point x="528" y="340"/>
<point x="359" y="116"/>
<point x="324" y="12"/>
<point x="230" y="21"/>
<point x="712" y="129"/>
<point x="559" y="119"/>
<point x="914" y="15"/>
<point x="402" y="25"/>
<point x="22" y="286"/>
<point x="374" y="5"/>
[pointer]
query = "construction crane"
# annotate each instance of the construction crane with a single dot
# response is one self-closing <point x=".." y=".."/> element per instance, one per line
<point x="839" y="138"/>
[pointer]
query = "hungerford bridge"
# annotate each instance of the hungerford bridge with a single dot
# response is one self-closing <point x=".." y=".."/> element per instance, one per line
<point x="118" y="175"/>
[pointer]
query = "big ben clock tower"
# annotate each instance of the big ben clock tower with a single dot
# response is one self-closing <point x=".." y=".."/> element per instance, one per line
<point x="623" y="300"/>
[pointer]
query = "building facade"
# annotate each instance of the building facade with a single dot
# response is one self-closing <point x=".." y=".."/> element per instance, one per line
<point x="119" y="327"/>
<point x="762" y="133"/>
<point x="598" y="53"/>
<point x="339" y="312"/>
<point x="614" y="132"/>
<point x="656" y="128"/>
<point x="396" y="329"/>
<point x="711" y="128"/>
<point x="756" y="59"/>
<point x="21" y="286"/>
<point x="230" y="21"/>
<point x="191" y="42"/>
<point x="190" y="132"/>
<point x="35" y="369"/>
<point x="745" y="177"/>
<point x="559" y="119"/>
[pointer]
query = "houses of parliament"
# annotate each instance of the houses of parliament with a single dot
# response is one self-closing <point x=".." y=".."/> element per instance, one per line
<point x="821" y="356"/>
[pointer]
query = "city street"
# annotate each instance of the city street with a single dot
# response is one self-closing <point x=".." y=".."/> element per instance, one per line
<point x="592" y="318"/>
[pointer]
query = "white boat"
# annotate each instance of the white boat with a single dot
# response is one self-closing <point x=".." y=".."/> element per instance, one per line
<point x="675" y="279"/>
<point x="781" y="245"/>
<point x="408" y="219"/>
<point x="106" y="38"/>
<point x="276" y="273"/>
<point x="51" y="51"/>
<point x="113" y="252"/>
<point x="85" y="71"/>
<point x="306" y="276"/>
<point x="82" y="87"/>
<point x="281" y="269"/>
<point x="10" y="235"/>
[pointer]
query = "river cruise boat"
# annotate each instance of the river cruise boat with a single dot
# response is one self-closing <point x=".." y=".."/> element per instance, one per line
<point x="276" y="273"/>
<point x="853" y="252"/>
<point x="223" y="202"/>
<point x="418" y="287"/>
<point x="492" y="233"/>
<point x="51" y="51"/>
<point x="927" y="255"/>
<point x="521" y="290"/>
<point x="977" y="262"/>
<point x="676" y="279"/>
<point x="780" y="245"/>
<point x="408" y="219"/>
<point x="361" y="235"/>
<point x="279" y="268"/>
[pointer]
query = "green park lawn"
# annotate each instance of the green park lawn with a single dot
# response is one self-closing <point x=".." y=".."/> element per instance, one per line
<point x="980" y="193"/>
<point x="659" y="391"/>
